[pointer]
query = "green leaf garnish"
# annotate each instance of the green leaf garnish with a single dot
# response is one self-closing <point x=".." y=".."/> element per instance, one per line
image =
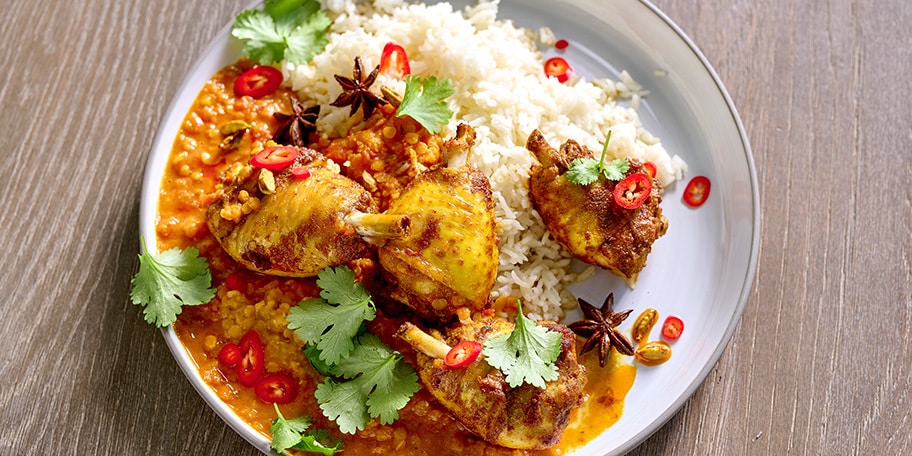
<point x="379" y="383"/>
<point x="424" y="101"/>
<point x="525" y="355"/>
<point x="332" y="321"/>
<point x="584" y="171"/>
<point x="168" y="281"/>
<point x="293" y="434"/>
<point x="616" y="169"/>
<point x="312" y="353"/>
<point x="313" y="443"/>
<point x="364" y="377"/>
<point x="287" y="433"/>
<point x="291" y="30"/>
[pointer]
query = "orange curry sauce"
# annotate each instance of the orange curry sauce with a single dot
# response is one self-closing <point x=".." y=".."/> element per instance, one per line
<point x="191" y="182"/>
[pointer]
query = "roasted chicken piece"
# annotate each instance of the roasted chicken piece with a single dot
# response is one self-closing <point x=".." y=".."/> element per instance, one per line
<point x="585" y="219"/>
<point x="525" y="417"/>
<point x="283" y="225"/>
<point x="448" y="260"/>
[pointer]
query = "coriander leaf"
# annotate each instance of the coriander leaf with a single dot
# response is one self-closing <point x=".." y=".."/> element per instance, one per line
<point x="313" y="443"/>
<point x="308" y="39"/>
<point x="583" y="171"/>
<point x="423" y="101"/>
<point x="616" y="169"/>
<point x="343" y="402"/>
<point x="292" y="30"/>
<point x="376" y="381"/>
<point x="527" y="354"/>
<point x="262" y="42"/>
<point x="169" y="280"/>
<point x="332" y="321"/>
<point x="287" y="433"/>
<point x="287" y="11"/>
<point x="292" y="434"/>
<point x="330" y="328"/>
<point x="380" y="383"/>
<point x="312" y="353"/>
<point x="395" y="384"/>
<point x="338" y="286"/>
<point x="384" y="373"/>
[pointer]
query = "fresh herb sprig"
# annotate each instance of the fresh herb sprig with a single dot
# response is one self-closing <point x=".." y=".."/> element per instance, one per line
<point x="584" y="171"/>
<point x="525" y="355"/>
<point x="424" y="101"/>
<point x="331" y="322"/>
<point x="377" y="384"/>
<point x="364" y="377"/>
<point x="293" y="434"/>
<point x="290" y="30"/>
<point x="168" y="281"/>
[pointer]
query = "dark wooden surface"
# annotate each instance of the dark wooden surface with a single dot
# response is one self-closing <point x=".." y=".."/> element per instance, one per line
<point x="820" y="363"/>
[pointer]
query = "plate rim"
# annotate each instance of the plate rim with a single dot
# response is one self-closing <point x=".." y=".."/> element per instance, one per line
<point x="178" y="351"/>
<point x="750" y="273"/>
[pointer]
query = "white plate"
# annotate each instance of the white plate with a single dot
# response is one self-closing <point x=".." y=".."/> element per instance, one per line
<point x="701" y="270"/>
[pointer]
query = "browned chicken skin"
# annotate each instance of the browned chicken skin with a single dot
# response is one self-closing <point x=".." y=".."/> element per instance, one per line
<point x="525" y="417"/>
<point x="296" y="227"/>
<point x="448" y="260"/>
<point x="585" y="218"/>
<point x="437" y="241"/>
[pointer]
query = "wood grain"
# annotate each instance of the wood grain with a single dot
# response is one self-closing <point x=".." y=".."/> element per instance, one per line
<point x="818" y="365"/>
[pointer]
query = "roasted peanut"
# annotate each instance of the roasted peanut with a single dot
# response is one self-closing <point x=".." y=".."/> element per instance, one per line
<point x="643" y="325"/>
<point x="653" y="353"/>
<point x="266" y="181"/>
<point x="233" y="133"/>
<point x="234" y="126"/>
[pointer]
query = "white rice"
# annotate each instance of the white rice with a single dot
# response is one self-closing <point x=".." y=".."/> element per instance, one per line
<point x="502" y="93"/>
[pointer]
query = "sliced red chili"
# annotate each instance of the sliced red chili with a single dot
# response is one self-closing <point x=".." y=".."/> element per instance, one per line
<point x="394" y="61"/>
<point x="276" y="388"/>
<point x="275" y="158"/>
<point x="252" y="365"/>
<point x="230" y="354"/>
<point x="697" y="191"/>
<point x="557" y="67"/>
<point x="562" y="44"/>
<point x="258" y="82"/>
<point x="632" y="191"/>
<point x="651" y="168"/>
<point x="672" y="328"/>
<point x="300" y="172"/>
<point x="462" y="354"/>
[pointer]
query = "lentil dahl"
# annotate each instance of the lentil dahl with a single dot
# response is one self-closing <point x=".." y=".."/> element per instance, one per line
<point x="383" y="154"/>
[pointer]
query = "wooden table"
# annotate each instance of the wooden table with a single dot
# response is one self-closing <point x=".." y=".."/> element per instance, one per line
<point x="820" y="363"/>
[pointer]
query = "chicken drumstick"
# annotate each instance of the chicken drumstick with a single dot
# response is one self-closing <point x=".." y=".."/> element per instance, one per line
<point x="288" y="226"/>
<point x="525" y="417"/>
<point x="585" y="219"/>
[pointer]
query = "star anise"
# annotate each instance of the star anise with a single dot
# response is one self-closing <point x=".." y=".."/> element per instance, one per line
<point x="356" y="90"/>
<point x="295" y="128"/>
<point x="600" y="329"/>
